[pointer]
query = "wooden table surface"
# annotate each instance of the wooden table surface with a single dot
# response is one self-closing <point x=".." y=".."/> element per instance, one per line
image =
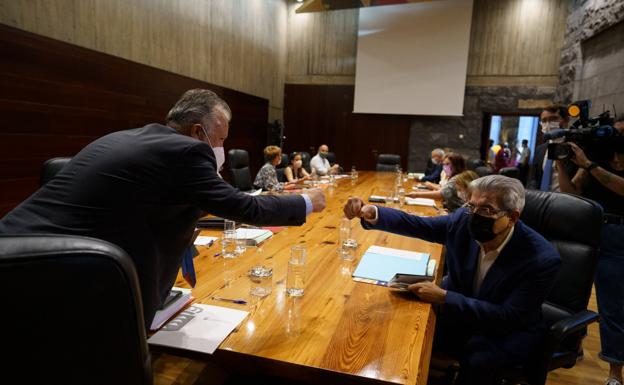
<point x="340" y="331"/>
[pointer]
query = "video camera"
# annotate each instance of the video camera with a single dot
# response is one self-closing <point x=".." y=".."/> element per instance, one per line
<point x="596" y="136"/>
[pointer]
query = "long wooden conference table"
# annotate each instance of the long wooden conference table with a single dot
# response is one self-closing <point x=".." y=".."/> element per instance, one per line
<point x="340" y="331"/>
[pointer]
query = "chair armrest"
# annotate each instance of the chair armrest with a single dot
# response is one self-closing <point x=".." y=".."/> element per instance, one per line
<point x="565" y="327"/>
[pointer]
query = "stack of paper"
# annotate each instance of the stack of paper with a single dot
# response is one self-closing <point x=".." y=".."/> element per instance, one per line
<point x="380" y="264"/>
<point x="171" y="308"/>
<point x="420" y="202"/>
<point x="201" y="328"/>
<point x="253" y="236"/>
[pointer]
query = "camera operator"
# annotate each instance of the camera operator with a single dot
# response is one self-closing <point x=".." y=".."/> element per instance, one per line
<point x="543" y="174"/>
<point x="604" y="183"/>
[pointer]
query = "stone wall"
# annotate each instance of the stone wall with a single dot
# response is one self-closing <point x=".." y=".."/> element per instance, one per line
<point x="463" y="134"/>
<point x="587" y="19"/>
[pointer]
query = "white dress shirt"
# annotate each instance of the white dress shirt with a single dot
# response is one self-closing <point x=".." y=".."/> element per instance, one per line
<point x="486" y="260"/>
<point x="319" y="164"/>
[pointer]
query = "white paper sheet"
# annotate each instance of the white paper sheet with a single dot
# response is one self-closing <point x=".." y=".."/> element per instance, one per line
<point x="204" y="240"/>
<point x="200" y="328"/>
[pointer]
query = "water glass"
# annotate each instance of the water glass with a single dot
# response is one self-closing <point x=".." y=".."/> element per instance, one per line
<point x="401" y="196"/>
<point x="295" y="278"/>
<point x="354" y="174"/>
<point x="229" y="247"/>
<point x="229" y="225"/>
<point x="390" y="195"/>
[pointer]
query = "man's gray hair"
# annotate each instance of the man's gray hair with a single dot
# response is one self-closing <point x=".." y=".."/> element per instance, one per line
<point x="439" y="151"/>
<point x="510" y="191"/>
<point x="196" y="106"/>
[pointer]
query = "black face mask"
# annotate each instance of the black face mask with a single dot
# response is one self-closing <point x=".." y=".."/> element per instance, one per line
<point x="480" y="228"/>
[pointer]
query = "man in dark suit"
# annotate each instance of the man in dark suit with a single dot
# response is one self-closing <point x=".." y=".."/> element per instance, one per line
<point x="144" y="190"/>
<point x="499" y="273"/>
<point x="543" y="173"/>
<point x="433" y="170"/>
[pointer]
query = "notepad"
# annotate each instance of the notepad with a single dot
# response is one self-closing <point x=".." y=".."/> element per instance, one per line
<point x="420" y="202"/>
<point x="254" y="236"/>
<point x="200" y="328"/>
<point x="379" y="264"/>
<point x="171" y="308"/>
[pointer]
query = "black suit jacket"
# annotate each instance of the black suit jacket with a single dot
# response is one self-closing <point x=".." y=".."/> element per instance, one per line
<point x="537" y="169"/>
<point x="144" y="190"/>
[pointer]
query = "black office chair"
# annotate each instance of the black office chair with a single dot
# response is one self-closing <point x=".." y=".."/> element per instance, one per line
<point x="511" y="172"/>
<point x="573" y="224"/>
<point x="331" y="158"/>
<point x="484" y="171"/>
<point x="72" y="312"/>
<point x="473" y="163"/>
<point x="238" y="164"/>
<point x="51" y="167"/>
<point x="388" y="162"/>
<point x="280" y="168"/>
<point x="305" y="160"/>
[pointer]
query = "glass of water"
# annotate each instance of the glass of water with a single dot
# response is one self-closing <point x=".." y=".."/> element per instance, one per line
<point x="401" y="196"/>
<point x="295" y="278"/>
<point x="229" y="247"/>
<point x="229" y="225"/>
<point x="345" y="248"/>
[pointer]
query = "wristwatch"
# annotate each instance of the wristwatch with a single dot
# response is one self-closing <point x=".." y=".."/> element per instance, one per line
<point x="591" y="166"/>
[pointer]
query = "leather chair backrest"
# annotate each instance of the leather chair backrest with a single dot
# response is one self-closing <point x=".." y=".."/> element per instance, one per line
<point x="238" y="164"/>
<point x="51" y="167"/>
<point x="305" y="160"/>
<point x="331" y="157"/>
<point x="388" y="162"/>
<point x="72" y="312"/>
<point x="573" y="224"/>
<point x="473" y="163"/>
<point x="511" y="172"/>
<point x="483" y="171"/>
<point x="280" y="168"/>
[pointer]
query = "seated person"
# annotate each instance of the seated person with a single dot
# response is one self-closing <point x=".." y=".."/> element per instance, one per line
<point x="267" y="176"/>
<point x="320" y="164"/>
<point x="462" y="183"/>
<point x="452" y="164"/>
<point x="434" y="167"/>
<point x="499" y="273"/>
<point x="294" y="172"/>
<point x="449" y="191"/>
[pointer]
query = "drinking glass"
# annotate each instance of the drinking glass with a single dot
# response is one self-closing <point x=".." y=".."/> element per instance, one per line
<point x="295" y="278"/>
<point x="228" y="244"/>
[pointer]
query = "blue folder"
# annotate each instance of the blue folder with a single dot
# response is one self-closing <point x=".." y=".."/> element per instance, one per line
<point x="379" y="264"/>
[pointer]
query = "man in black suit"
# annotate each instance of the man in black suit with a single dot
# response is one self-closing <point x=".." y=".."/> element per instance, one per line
<point x="543" y="174"/>
<point x="144" y="190"/>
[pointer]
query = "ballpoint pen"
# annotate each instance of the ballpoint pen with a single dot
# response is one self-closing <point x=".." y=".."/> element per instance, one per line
<point x="236" y="301"/>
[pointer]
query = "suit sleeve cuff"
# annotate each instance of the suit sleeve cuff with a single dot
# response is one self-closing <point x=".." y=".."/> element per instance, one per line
<point x="308" y="204"/>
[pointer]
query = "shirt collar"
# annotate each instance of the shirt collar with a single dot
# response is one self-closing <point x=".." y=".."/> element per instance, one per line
<point x="498" y="250"/>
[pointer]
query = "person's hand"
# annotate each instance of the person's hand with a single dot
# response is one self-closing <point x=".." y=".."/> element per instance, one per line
<point x="412" y="194"/>
<point x="307" y="177"/>
<point x="430" y="185"/>
<point x="317" y="196"/>
<point x="290" y="186"/>
<point x="579" y="158"/>
<point x="428" y="292"/>
<point x="355" y="207"/>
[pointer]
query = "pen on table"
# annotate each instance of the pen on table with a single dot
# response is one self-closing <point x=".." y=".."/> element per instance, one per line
<point x="237" y="301"/>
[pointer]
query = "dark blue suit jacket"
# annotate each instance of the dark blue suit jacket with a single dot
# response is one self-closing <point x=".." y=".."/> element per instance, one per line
<point x="512" y="292"/>
<point x="144" y="190"/>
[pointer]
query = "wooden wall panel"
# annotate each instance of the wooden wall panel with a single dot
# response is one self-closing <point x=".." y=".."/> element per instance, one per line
<point x="517" y="39"/>
<point x="238" y="44"/>
<point x="317" y="114"/>
<point x="55" y="98"/>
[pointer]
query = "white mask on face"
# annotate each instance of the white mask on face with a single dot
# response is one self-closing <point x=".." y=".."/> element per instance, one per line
<point x="219" y="153"/>
<point x="434" y="161"/>
<point x="549" y="126"/>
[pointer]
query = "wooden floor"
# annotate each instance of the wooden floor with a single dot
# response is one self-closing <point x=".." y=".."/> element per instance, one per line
<point x="169" y="370"/>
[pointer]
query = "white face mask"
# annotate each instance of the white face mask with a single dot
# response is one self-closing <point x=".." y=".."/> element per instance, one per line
<point x="219" y="153"/>
<point x="434" y="161"/>
<point x="298" y="163"/>
<point x="548" y="126"/>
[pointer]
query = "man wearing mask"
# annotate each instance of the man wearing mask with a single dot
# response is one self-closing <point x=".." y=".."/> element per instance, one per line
<point x="543" y="174"/>
<point x="499" y="273"/>
<point x="144" y="190"/>
<point x="319" y="163"/>
<point x="434" y="167"/>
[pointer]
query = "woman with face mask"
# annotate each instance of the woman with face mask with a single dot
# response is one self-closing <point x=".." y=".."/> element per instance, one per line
<point x="294" y="172"/>
<point x="453" y="165"/>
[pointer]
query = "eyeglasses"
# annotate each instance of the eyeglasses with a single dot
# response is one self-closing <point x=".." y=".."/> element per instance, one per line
<point x="486" y="211"/>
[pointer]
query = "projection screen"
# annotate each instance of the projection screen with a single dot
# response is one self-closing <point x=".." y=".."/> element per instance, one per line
<point x="412" y="58"/>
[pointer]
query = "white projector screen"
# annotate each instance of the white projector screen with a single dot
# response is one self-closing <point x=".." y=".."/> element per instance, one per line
<point x="412" y="58"/>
